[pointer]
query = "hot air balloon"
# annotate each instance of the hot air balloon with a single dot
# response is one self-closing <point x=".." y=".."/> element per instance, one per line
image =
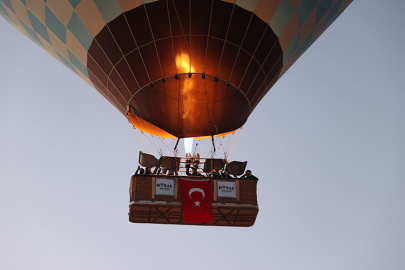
<point x="178" y="68"/>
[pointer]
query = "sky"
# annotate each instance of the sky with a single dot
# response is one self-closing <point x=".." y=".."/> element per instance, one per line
<point x="327" y="143"/>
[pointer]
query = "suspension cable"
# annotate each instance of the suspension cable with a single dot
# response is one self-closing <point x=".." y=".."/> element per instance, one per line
<point x="233" y="146"/>
<point x="221" y="144"/>
<point x="171" y="35"/>
<point x="166" y="145"/>
<point x="208" y="36"/>
<point x="202" y="151"/>
<point x="226" y="36"/>
<point x="146" y="146"/>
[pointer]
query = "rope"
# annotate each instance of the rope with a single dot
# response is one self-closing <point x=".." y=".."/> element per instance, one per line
<point x="229" y="139"/>
<point x="263" y="93"/>
<point x="141" y="121"/>
<point x="240" y="47"/>
<point x="202" y="151"/>
<point x="110" y="62"/>
<point x="237" y="138"/>
<point x="257" y="46"/>
<point x="275" y="78"/>
<point x="261" y="67"/>
<point x="153" y="126"/>
<point x="208" y="35"/>
<point x="223" y="47"/>
<point x="113" y="68"/>
<point x="171" y="37"/>
<point x="221" y="144"/>
<point x="146" y="146"/>
<point x="166" y="145"/>
<point x="189" y="30"/>
<point x="154" y="42"/>
<point x="210" y="152"/>
<point x="234" y="143"/>
<point x="108" y="93"/>
<point x="151" y="142"/>
<point x="160" y="150"/>
<point x="143" y="134"/>
<point x="136" y="44"/>
<point x="182" y="30"/>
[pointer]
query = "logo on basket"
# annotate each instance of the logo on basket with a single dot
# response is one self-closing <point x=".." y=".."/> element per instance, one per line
<point x="226" y="189"/>
<point x="197" y="203"/>
<point x="164" y="187"/>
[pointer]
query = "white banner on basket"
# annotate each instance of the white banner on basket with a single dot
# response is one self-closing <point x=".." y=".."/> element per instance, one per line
<point x="226" y="189"/>
<point x="164" y="186"/>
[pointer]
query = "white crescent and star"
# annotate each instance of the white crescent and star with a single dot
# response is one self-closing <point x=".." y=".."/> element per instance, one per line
<point x="197" y="203"/>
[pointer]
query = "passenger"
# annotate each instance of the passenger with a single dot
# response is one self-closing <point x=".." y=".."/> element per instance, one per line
<point x="194" y="171"/>
<point x="148" y="171"/>
<point x="176" y="169"/>
<point x="140" y="171"/>
<point x="226" y="174"/>
<point x="215" y="174"/>
<point x="164" y="171"/>
<point x="249" y="175"/>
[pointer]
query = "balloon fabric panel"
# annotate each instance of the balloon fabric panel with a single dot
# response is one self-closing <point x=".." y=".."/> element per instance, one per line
<point x="186" y="68"/>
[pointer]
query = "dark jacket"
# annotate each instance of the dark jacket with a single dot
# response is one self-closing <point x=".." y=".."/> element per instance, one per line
<point x="251" y="177"/>
<point x="192" y="173"/>
<point x="215" y="175"/>
<point x="224" y="176"/>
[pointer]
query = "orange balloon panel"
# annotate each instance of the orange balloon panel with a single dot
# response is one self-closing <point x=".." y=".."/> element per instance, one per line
<point x="143" y="126"/>
<point x="147" y="127"/>
<point x="191" y="107"/>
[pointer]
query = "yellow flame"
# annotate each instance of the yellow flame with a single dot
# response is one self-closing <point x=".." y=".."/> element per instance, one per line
<point x="189" y="101"/>
<point x="183" y="64"/>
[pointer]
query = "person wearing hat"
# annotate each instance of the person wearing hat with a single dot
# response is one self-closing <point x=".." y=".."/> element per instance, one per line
<point x="225" y="174"/>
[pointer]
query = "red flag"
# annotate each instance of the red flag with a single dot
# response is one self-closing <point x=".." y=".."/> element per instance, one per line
<point x="196" y="200"/>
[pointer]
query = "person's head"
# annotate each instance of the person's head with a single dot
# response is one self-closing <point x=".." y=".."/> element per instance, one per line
<point x="248" y="173"/>
<point x="164" y="170"/>
<point x="226" y="173"/>
<point x="213" y="171"/>
<point x="141" y="171"/>
<point x="195" y="169"/>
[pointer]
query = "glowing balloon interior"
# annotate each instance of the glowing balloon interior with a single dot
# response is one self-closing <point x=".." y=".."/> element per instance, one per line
<point x="177" y="68"/>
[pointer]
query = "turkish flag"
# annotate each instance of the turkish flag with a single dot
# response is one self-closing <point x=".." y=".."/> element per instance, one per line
<point x="196" y="200"/>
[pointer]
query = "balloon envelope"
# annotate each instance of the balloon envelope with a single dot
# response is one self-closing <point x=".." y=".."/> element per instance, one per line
<point x="177" y="68"/>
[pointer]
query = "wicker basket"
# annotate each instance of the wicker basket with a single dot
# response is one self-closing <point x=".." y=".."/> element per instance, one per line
<point x="146" y="207"/>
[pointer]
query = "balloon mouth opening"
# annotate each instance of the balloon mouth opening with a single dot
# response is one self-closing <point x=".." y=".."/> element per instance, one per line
<point x="188" y="144"/>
